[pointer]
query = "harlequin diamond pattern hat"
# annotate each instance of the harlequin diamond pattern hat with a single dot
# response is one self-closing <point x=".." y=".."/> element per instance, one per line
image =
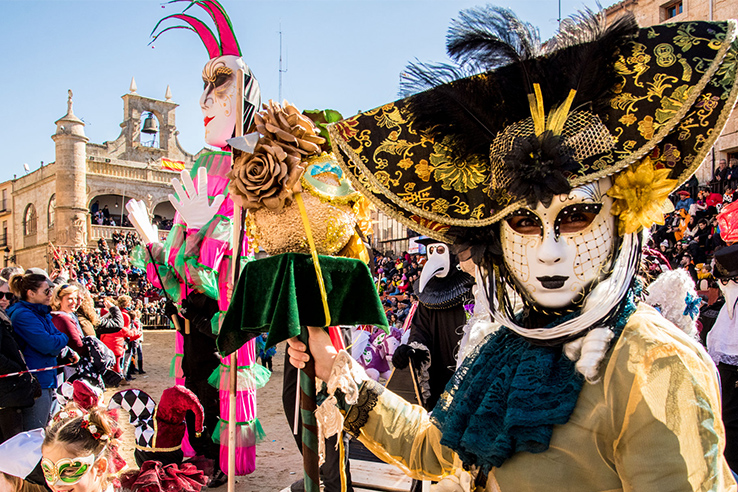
<point x="469" y="152"/>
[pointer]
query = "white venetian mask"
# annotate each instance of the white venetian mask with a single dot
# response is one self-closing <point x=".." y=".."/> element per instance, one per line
<point x="219" y="98"/>
<point x="555" y="253"/>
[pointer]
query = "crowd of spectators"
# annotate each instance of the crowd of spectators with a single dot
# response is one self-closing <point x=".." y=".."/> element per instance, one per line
<point x="102" y="216"/>
<point x="107" y="271"/>
<point x="690" y="234"/>
<point x="397" y="283"/>
<point x="50" y="324"/>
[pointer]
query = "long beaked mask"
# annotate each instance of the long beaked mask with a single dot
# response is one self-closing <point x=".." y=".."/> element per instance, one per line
<point x="218" y="101"/>
<point x="730" y="292"/>
<point x="556" y="253"/>
<point x="438" y="264"/>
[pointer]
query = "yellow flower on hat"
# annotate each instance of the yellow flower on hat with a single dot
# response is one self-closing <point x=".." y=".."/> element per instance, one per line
<point x="641" y="195"/>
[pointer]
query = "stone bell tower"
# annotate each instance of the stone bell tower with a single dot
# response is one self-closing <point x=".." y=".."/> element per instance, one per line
<point x="71" y="180"/>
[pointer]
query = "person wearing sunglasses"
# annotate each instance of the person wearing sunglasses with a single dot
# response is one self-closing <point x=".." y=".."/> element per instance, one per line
<point x="38" y="339"/>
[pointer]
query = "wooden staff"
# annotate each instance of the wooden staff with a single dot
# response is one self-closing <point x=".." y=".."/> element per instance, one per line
<point x="236" y="249"/>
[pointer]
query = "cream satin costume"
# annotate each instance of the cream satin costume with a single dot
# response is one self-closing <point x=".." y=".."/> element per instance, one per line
<point x="659" y="392"/>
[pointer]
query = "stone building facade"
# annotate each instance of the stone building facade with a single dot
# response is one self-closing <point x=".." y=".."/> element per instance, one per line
<point x="50" y="207"/>
<point x="650" y="12"/>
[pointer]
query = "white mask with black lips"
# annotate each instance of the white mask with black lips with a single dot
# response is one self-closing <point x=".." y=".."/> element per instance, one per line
<point x="555" y="253"/>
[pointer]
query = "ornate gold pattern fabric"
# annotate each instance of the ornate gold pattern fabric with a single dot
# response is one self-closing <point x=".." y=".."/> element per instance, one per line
<point x="678" y="88"/>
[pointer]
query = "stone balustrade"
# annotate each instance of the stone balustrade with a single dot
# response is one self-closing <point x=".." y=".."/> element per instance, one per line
<point x="106" y="232"/>
<point x="128" y="172"/>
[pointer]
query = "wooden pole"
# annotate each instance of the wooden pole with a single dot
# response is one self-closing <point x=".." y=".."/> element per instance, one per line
<point x="235" y="262"/>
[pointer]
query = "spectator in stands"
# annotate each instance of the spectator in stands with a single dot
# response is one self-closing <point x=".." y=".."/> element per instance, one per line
<point x="719" y="178"/>
<point x="39" y="340"/>
<point x="685" y="201"/>
<point x="732" y="176"/>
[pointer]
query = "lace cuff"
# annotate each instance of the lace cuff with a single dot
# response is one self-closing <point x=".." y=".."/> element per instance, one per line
<point x="346" y="375"/>
<point x="358" y="414"/>
<point x="350" y="391"/>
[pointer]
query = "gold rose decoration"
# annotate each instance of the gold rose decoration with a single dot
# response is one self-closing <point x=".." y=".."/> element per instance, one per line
<point x="288" y="159"/>
<point x="269" y="176"/>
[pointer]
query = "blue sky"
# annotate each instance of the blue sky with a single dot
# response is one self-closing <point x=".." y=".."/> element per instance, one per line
<point x="340" y="54"/>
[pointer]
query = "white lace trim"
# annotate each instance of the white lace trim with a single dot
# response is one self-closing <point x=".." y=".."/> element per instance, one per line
<point x="346" y="375"/>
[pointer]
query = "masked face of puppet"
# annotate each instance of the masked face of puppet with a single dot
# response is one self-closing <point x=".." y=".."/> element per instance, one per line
<point x="219" y="98"/>
<point x="555" y="253"/>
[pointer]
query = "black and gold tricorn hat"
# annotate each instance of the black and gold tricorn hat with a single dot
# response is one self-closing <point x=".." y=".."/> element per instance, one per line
<point x="539" y="119"/>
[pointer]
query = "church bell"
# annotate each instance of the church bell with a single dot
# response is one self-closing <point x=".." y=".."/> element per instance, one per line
<point x="151" y="126"/>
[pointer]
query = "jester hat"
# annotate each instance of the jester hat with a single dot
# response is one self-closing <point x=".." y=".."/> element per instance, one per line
<point x="225" y="44"/>
<point x="159" y="427"/>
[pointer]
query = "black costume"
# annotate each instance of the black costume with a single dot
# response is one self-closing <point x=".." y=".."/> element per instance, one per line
<point x="436" y="330"/>
<point x="200" y="359"/>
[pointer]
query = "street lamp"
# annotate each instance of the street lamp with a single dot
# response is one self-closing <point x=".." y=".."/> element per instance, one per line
<point x="8" y="257"/>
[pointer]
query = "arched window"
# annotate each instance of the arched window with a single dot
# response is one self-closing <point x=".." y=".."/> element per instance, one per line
<point x="29" y="220"/>
<point x="52" y="211"/>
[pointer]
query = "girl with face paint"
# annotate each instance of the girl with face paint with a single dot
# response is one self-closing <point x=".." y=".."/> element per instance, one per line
<point x="537" y="171"/>
<point x="79" y="451"/>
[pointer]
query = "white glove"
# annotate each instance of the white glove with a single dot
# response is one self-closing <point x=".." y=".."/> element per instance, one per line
<point x="139" y="217"/>
<point x="458" y="482"/>
<point x="193" y="205"/>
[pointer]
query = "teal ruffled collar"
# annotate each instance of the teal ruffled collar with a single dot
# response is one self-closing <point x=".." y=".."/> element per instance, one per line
<point x="508" y="394"/>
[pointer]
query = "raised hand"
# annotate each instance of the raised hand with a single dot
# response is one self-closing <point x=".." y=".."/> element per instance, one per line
<point x="193" y="205"/>
<point x="139" y="217"/>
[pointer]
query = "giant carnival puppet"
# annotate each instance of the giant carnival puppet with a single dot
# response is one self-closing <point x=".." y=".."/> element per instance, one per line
<point x="194" y="263"/>
<point x="444" y="292"/>
<point x="545" y="163"/>
<point x="297" y="205"/>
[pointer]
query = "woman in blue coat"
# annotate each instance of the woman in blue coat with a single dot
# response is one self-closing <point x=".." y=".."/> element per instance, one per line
<point x="38" y="339"/>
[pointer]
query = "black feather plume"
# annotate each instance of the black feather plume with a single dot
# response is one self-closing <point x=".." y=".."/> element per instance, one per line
<point x="420" y="76"/>
<point x="489" y="37"/>
<point x="466" y="113"/>
<point x="584" y="59"/>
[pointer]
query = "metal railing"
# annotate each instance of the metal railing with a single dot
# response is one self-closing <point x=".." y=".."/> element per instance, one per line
<point x="155" y="321"/>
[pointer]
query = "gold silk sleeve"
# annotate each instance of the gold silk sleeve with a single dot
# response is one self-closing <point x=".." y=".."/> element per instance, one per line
<point x="664" y="396"/>
<point x="399" y="433"/>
